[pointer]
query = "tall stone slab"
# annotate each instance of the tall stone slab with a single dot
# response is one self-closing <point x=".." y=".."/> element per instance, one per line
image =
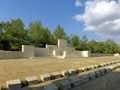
<point x="62" y="45"/>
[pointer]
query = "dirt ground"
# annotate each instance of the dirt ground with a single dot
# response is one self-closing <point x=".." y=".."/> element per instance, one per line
<point x="22" y="68"/>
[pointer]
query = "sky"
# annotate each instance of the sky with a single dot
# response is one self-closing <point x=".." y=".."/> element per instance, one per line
<point x="97" y="19"/>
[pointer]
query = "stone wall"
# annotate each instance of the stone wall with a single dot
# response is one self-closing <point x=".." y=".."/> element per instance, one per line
<point x="100" y="55"/>
<point x="41" y="52"/>
<point x="11" y="55"/>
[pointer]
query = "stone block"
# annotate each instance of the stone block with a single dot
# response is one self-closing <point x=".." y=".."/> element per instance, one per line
<point x="81" y="69"/>
<point x="72" y="71"/>
<point x="90" y="67"/>
<point x="76" y="81"/>
<point x="65" y="73"/>
<point x="57" y="75"/>
<point x="108" y="63"/>
<point x="45" y="77"/>
<point x="91" y="75"/>
<point x="102" y="71"/>
<point x="85" y="78"/>
<point x="107" y="70"/>
<point x="66" y="85"/>
<point x="95" y="66"/>
<point x="32" y="80"/>
<point x="14" y="84"/>
<point x="102" y="64"/>
<point x="50" y="87"/>
<point x="118" y="65"/>
<point x="112" y="62"/>
<point x="97" y="74"/>
<point x="84" y="68"/>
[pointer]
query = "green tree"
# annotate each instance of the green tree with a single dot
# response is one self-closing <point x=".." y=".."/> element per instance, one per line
<point x="15" y="33"/>
<point x="84" y="43"/>
<point x="38" y="35"/>
<point x="59" y="33"/>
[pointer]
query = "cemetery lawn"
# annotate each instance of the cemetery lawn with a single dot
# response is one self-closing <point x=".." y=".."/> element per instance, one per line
<point x="22" y="68"/>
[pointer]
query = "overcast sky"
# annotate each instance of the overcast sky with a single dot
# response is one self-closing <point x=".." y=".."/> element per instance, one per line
<point x="98" y="19"/>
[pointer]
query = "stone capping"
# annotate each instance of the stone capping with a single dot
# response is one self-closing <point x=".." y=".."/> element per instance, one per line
<point x="102" y="71"/>
<point x="32" y="80"/>
<point x="85" y="78"/>
<point x="45" y="77"/>
<point x="72" y="71"/>
<point x="16" y="84"/>
<point x="97" y="73"/>
<point x="66" y="85"/>
<point x="91" y="75"/>
<point x="50" y="87"/>
<point x="65" y="73"/>
<point x="56" y="75"/>
<point x="75" y="81"/>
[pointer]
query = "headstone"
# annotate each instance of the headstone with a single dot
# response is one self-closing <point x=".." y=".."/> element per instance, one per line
<point x="102" y="71"/>
<point x="76" y="81"/>
<point x="97" y="74"/>
<point x="50" y="87"/>
<point x="80" y="69"/>
<point x="65" y="73"/>
<point x="95" y="66"/>
<point x="45" y="77"/>
<point x="91" y="75"/>
<point x="72" y="71"/>
<point x="85" y="78"/>
<point x="57" y="75"/>
<point x="32" y="80"/>
<point x="89" y="67"/>
<point x="66" y="85"/>
<point x="107" y="70"/>
<point x="14" y="84"/>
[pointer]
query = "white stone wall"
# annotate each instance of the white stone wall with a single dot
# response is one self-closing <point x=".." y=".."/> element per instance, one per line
<point x="11" y="55"/>
<point x="100" y="55"/>
<point x="51" y="48"/>
<point x="28" y="51"/>
<point x="41" y="52"/>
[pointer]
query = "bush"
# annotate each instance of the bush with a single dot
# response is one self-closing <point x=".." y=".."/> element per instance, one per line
<point x="59" y="86"/>
<point x="3" y="88"/>
<point x="77" y="70"/>
<point x="24" y="83"/>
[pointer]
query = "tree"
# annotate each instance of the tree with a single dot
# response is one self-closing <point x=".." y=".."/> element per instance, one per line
<point x="15" y="33"/>
<point x="59" y="33"/>
<point x="84" y="42"/>
<point x="39" y="36"/>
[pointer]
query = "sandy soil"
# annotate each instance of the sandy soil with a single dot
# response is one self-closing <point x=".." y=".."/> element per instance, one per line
<point x="22" y="68"/>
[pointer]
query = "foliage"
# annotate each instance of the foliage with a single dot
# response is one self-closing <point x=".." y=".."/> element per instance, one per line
<point x="24" y="83"/>
<point x="13" y="34"/>
<point x="59" y="86"/>
<point x="3" y="88"/>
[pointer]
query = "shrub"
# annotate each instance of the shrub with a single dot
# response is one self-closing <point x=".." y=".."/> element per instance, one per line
<point x="24" y="83"/>
<point x="3" y="88"/>
<point x="59" y="86"/>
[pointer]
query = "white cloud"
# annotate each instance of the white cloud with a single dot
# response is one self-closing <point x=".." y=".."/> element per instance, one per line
<point x="78" y="3"/>
<point x="102" y="17"/>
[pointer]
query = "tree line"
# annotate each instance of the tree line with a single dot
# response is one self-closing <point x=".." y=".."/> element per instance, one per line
<point x="13" y="34"/>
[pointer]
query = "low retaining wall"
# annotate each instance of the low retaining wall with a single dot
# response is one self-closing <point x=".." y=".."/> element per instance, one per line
<point x="100" y="55"/>
<point x="11" y="55"/>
